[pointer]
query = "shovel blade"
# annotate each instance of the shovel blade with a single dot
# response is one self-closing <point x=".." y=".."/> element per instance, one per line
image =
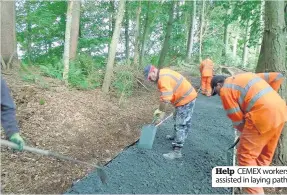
<point x="103" y="176"/>
<point x="147" y="137"/>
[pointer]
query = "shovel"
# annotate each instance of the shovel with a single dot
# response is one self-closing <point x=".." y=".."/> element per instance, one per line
<point x="100" y="170"/>
<point x="231" y="156"/>
<point x="229" y="153"/>
<point x="148" y="134"/>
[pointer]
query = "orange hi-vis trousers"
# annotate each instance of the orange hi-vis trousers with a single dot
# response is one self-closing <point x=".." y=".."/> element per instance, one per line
<point x="205" y="85"/>
<point x="257" y="149"/>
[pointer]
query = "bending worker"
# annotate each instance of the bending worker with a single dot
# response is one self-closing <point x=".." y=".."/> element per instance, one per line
<point x="8" y="116"/>
<point x="206" y="71"/>
<point x="257" y="111"/>
<point x="175" y="89"/>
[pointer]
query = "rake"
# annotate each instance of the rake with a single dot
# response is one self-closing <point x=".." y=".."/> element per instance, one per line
<point x="99" y="169"/>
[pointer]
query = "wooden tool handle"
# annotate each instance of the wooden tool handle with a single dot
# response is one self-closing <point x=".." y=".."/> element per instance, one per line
<point x="44" y="152"/>
<point x="27" y="148"/>
<point x="164" y="120"/>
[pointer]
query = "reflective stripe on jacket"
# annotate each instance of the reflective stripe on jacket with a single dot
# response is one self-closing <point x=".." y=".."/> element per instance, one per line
<point x="248" y="100"/>
<point x="175" y="88"/>
<point x="206" y="68"/>
<point x="274" y="79"/>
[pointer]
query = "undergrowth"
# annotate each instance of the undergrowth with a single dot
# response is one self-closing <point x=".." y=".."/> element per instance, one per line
<point x="87" y="72"/>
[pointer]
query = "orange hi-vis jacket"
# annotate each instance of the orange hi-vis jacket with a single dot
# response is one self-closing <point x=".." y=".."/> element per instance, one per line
<point x="248" y="98"/>
<point x="174" y="88"/>
<point x="274" y="79"/>
<point x="206" y="68"/>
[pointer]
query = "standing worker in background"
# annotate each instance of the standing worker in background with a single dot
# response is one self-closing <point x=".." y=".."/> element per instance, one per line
<point x="206" y="71"/>
<point x="8" y="116"/>
<point x="257" y="111"/>
<point x="175" y="89"/>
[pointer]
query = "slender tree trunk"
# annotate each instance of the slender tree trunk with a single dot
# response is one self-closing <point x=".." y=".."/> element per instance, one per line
<point x="113" y="47"/>
<point x="67" y="42"/>
<point x="226" y="37"/>
<point x="29" y="41"/>
<point x="261" y="26"/>
<point x="272" y="58"/>
<point x="246" y="42"/>
<point x="75" y="29"/>
<point x="127" y="41"/>
<point x="177" y="10"/>
<point x="145" y="34"/>
<point x="235" y="42"/>
<point x="191" y="33"/>
<point x="201" y="30"/>
<point x="137" y="36"/>
<point x="164" y="49"/>
<point x="28" y="32"/>
<point x="187" y="24"/>
<point x="112" y="17"/>
<point x="8" y="32"/>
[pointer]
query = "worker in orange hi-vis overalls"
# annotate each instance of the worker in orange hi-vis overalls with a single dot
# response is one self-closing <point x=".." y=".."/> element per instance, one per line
<point x="176" y="90"/>
<point x="206" y="71"/>
<point x="252" y="103"/>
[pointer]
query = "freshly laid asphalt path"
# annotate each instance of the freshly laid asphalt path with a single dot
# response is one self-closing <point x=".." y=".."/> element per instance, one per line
<point x="142" y="171"/>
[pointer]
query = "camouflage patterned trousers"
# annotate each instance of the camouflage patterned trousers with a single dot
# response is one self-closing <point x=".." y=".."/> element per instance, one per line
<point x="182" y="125"/>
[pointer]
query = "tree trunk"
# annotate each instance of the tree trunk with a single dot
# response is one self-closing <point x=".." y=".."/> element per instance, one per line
<point x="177" y="5"/>
<point x="28" y="32"/>
<point x="75" y="29"/>
<point x="272" y="58"/>
<point x="67" y="42"/>
<point x="112" y="17"/>
<point x="226" y="37"/>
<point x="8" y="32"/>
<point x="246" y="42"/>
<point x="201" y="30"/>
<point x="191" y="33"/>
<point x="164" y="49"/>
<point x="145" y="34"/>
<point x="127" y="41"/>
<point x="137" y="36"/>
<point x="113" y="47"/>
<point x="261" y="26"/>
<point x="235" y="42"/>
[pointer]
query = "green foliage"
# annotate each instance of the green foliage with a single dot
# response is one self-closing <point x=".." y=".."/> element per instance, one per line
<point x="53" y="70"/>
<point x="124" y="82"/>
<point x="42" y="101"/>
<point x="41" y="31"/>
<point x="27" y="75"/>
<point x="85" y="72"/>
<point x="28" y="78"/>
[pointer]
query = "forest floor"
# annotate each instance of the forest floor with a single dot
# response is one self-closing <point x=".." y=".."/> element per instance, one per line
<point x="89" y="126"/>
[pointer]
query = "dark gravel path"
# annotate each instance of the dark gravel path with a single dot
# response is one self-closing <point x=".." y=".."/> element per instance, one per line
<point x="147" y="172"/>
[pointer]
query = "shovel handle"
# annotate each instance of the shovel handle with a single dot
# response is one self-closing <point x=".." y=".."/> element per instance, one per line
<point x="164" y="120"/>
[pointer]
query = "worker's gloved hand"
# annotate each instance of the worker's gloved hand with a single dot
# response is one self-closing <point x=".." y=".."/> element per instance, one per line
<point x="159" y="115"/>
<point x="17" y="139"/>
